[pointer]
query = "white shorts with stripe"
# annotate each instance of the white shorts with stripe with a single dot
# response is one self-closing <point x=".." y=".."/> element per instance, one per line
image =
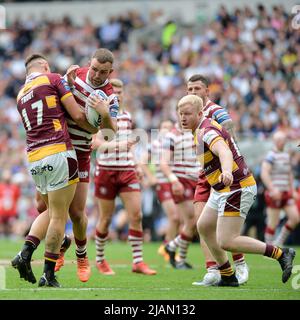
<point x="55" y="171"/>
<point x="235" y="203"/>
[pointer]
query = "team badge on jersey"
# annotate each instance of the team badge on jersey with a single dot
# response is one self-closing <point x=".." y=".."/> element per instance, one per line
<point x="103" y="190"/>
<point x="65" y="84"/>
<point x="114" y="107"/>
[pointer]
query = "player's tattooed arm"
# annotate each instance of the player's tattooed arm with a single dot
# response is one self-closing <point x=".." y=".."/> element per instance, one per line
<point x="229" y="126"/>
<point x="266" y="178"/>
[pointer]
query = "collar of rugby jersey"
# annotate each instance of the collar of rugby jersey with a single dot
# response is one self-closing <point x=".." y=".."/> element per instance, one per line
<point x="207" y="103"/>
<point x="31" y="76"/>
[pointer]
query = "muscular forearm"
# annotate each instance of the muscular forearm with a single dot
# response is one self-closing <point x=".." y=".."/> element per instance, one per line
<point x="165" y="167"/>
<point x="108" y="146"/>
<point x="82" y="123"/>
<point x="148" y="173"/>
<point x="226" y="160"/>
<point x="166" y="170"/>
<point x="266" y="179"/>
<point x="144" y="165"/>
<point x="146" y="170"/>
<point x="108" y="123"/>
<point x="113" y="146"/>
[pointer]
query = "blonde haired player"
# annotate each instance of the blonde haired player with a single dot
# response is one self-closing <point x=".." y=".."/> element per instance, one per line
<point x="199" y="85"/>
<point x="233" y="193"/>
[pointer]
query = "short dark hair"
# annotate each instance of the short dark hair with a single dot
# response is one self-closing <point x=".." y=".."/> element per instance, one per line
<point x="103" y="55"/>
<point x="199" y="77"/>
<point x="33" y="57"/>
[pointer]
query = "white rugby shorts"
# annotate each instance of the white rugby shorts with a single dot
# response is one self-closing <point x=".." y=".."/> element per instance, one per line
<point x="235" y="203"/>
<point x="55" y="172"/>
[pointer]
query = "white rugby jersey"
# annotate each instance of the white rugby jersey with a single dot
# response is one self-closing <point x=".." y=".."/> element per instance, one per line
<point x="281" y="168"/>
<point x="155" y="153"/>
<point x="184" y="163"/>
<point x="213" y="111"/>
<point x="118" y="159"/>
<point x="82" y="139"/>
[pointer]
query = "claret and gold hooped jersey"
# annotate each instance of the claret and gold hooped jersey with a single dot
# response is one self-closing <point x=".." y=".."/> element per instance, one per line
<point x="207" y="134"/>
<point x="39" y="103"/>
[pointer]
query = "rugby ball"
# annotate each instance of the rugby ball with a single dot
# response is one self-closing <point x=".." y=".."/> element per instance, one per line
<point x="92" y="116"/>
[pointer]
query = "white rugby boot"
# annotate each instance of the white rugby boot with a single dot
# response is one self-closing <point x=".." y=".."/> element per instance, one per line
<point x="211" y="278"/>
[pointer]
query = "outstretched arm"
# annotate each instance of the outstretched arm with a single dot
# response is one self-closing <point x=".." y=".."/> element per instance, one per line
<point x="220" y="149"/>
<point x="77" y="114"/>
<point x="177" y="187"/>
<point x="144" y="165"/>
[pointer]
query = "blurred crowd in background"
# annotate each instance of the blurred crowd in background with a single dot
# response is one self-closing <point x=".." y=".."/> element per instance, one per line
<point x="249" y="55"/>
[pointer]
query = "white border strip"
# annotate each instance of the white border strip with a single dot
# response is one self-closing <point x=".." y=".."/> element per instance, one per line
<point x="211" y="289"/>
<point x="2" y="278"/>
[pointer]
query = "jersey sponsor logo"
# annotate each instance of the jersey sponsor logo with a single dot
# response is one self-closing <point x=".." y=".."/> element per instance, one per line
<point x="65" y="84"/>
<point x="84" y="92"/>
<point x="40" y="170"/>
<point x="167" y="194"/>
<point x="207" y="169"/>
<point x="27" y="97"/>
<point x="103" y="190"/>
<point x="58" y="183"/>
<point x="209" y="136"/>
<point x="114" y="107"/>
<point x="245" y="171"/>
<point x="83" y="174"/>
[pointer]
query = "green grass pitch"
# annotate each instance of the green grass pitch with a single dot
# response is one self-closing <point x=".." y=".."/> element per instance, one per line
<point x="169" y="284"/>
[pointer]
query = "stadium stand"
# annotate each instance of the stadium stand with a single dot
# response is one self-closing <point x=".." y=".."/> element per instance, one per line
<point x="250" y="55"/>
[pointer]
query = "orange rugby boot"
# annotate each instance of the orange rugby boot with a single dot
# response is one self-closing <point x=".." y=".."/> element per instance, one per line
<point x="142" y="267"/>
<point x="104" y="268"/>
<point x="65" y="245"/>
<point x="83" y="269"/>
